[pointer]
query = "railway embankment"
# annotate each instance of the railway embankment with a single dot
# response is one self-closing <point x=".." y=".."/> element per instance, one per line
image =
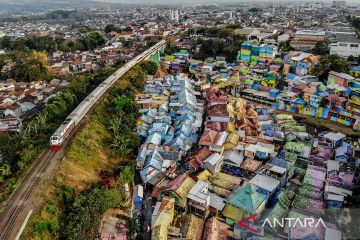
<point x="96" y="166"/>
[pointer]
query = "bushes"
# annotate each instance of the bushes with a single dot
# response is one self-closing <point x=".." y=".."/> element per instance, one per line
<point x="149" y="67"/>
<point x="54" y="226"/>
<point x="50" y="207"/>
<point x="41" y="226"/>
<point x="86" y="212"/>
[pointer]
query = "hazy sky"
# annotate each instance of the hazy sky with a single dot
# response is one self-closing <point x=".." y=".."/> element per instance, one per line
<point x="180" y="2"/>
<point x="213" y="1"/>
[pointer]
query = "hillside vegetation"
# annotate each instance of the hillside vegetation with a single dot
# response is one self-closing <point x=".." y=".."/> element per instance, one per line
<point x="76" y="201"/>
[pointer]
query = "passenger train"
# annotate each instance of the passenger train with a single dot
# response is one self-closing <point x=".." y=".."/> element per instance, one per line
<point x="57" y="139"/>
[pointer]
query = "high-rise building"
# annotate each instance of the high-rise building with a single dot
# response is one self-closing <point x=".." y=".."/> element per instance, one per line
<point x="174" y="15"/>
<point x="339" y="4"/>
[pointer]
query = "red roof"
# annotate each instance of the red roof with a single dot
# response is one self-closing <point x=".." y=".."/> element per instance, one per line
<point x="76" y="62"/>
<point x="159" y="74"/>
<point x="215" y="95"/>
<point x="218" y="110"/>
<point x="208" y="138"/>
<point x="202" y="154"/>
<point x="217" y="126"/>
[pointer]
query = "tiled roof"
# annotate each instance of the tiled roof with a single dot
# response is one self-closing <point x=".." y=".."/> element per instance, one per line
<point x="225" y="181"/>
<point x="215" y="230"/>
<point x="250" y="164"/>
<point x="247" y="198"/>
<point x="208" y="138"/>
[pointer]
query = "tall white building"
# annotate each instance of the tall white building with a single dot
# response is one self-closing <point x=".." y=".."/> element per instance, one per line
<point x="174" y="15"/>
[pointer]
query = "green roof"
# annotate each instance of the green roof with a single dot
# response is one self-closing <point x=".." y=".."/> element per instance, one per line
<point x="285" y="198"/>
<point x="295" y="146"/>
<point x="247" y="198"/>
<point x="248" y="82"/>
<point x="293" y="127"/>
<point x="278" y="212"/>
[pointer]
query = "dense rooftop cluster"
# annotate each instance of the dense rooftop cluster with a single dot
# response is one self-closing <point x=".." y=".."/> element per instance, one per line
<point x="238" y="159"/>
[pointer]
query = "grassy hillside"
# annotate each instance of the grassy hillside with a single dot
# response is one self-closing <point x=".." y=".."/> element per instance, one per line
<point x="87" y="155"/>
<point x="75" y="202"/>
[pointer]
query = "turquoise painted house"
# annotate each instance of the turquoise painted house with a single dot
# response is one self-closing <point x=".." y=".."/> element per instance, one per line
<point x="243" y="202"/>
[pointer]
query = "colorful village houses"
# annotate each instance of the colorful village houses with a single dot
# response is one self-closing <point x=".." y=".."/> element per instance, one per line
<point x="244" y="202"/>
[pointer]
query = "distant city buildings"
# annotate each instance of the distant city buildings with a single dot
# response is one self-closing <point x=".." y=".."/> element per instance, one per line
<point x="174" y="15"/>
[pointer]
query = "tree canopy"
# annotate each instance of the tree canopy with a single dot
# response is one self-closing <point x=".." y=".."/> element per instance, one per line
<point x="330" y="63"/>
<point x="322" y="48"/>
<point x="110" y="28"/>
<point x="94" y="39"/>
<point x="285" y="46"/>
<point x="40" y="43"/>
<point x="150" y="67"/>
<point x="31" y="66"/>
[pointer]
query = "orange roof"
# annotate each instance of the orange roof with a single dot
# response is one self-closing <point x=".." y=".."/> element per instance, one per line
<point x="250" y="164"/>
<point x="208" y="138"/>
<point x="159" y="74"/>
<point x="202" y="154"/>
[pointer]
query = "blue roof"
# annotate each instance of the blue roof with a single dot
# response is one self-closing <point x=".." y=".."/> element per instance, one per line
<point x="356" y="68"/>
<point x="290" y="76"/>
<point x="274" y="90"/>
<point x="281" y="162"/>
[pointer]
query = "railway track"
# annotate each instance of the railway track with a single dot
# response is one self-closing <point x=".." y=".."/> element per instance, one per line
<point x="22" y="195"/>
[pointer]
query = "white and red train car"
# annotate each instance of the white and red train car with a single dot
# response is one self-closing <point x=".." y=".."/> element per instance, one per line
<point x="75" y="117"/>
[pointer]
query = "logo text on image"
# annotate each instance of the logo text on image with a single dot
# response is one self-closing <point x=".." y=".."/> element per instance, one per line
<point x="282" y="222"/>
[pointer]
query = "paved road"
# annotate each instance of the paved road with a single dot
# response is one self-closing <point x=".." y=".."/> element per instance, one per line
<point x="147" y="211"/>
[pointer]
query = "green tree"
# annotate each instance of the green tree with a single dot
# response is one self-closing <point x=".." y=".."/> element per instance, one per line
<point x="330" y="63"/>
<point x="125" y="104"/>
<point x="127" y="174"/>
<point x="5" y="42"/>
<point x="67" y="194"/>
<point x="10" y="146"/>
<point x="321" y="48"/>
<point x="351" y="58"/>
<point x="356" y="22"/>
<point x="285" y="46"/>
<point x="41" y="226"/>
<point x="4" y="171"/>
<point x="121" y="145"/>
<point x="112" y="197"/>
<point x="54" y="225"/>
<point x="132" y="227"/>
<point x="27" y="156"/>
<point x="254" y="10"/>
<point x="86" y="212"/>
<point x="31" y="66"/>
<point x="94" y="39"/>
<point x="149" y="66"/>
<point x="110" y="28"/>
